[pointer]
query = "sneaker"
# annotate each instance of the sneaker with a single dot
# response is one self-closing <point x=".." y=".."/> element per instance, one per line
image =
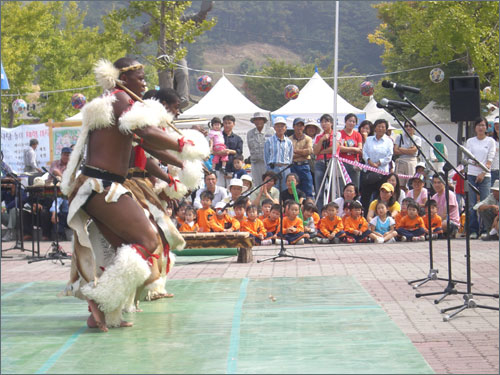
<point x="266" y="242"/>
<point x="350" y="240"/>
<point x="392" y="240"/>
<point x="379" y="240"/>
<point x="489" y="237"/>
<point x="300" y="242"/>
<point x="8" y="235"/>
<point x="474" y="236"/>
<point x="325" y="240"/>
<point x="336" y="240"/>
<point x="402" y="238"/>
<point x="435" y="236"/>
<point x="418" y="238"/>
<point x="285" y="242"/>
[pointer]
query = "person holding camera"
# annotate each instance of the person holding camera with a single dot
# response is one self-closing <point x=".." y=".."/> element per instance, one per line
<point x="322" y="148"/>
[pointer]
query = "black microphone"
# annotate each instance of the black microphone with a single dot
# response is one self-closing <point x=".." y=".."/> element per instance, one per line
<point x="399" y="87"/>
<point x="386" y="103"/>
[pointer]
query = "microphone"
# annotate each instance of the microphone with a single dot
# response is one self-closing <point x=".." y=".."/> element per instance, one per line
<point x="399" y="87"/>
<point x="392" y="104"/>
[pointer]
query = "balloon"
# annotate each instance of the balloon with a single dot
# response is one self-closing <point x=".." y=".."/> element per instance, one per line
<point x="19" y="106"/>
<point x="78" y="101"/>
<point x="436" y="75"/>
<point x="367" y="88"/>
<point x="291" y="92"/>
<point x="204" y="83"/>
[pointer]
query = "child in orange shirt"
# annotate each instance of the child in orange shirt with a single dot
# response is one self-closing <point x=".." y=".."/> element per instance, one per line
<point x="180" y="214"/>
<point x="189" y="224"/>
<point x="436" y="221"/>
<point x="411" y="227"/>
<point x="205" y="213"/>
<point x="293" y="228"/>
<point x="254" y="225"/>
<point x="356" y="226"/>
<point x="272" y="225"/>
<point x="239" y="209"/>
<point x="265" y="209"/>
<point x="222" y="221"/>
<point x="404" y="210"/>
<point x="331" y="228"/>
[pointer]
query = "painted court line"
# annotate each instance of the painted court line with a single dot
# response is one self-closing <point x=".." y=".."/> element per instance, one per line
<point x="54" y="357"/>
<point x="18" y="289"/>
<point x="235" y="329"/>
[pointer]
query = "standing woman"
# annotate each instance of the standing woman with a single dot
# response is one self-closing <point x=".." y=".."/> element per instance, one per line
<point x="483" y="148"/>
<point x="351" y="146"/>
<point x="366" y="129"/>
<point x="494" y="165"/>
<point x="322" y="148"/>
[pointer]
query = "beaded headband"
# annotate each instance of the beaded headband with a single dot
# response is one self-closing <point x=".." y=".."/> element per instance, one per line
<point x="131" y="67"/>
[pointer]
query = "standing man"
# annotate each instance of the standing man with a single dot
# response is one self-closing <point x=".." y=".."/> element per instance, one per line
<point x="407" y="152"/>
<point x="278" y="151"/>
<point x="256" y="138"/>
<point x="234" y="145"/>
<point x="302" y="150"/>
<point x="30" y="164"/>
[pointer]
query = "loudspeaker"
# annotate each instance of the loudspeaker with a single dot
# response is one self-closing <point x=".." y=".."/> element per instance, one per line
<point x="465" y="98"/>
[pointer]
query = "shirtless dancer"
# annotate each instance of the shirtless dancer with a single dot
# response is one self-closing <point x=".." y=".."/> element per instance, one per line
<point x="98" y="193"/>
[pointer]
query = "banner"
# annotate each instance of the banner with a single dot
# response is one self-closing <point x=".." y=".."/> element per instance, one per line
<point x="4" y="81"/>
<point x="16" y="140"/>
<point x="63" y="137"/>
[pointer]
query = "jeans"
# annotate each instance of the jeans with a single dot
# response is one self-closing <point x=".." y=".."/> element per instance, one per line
<point x="484" y="190"/>
<point x="494" y="176"/>
<point x="305" y="177"/>
<point x="281" y="183"/>
<point x="319" y="173"/>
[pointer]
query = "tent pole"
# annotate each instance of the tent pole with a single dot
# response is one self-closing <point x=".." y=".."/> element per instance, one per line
<point x="335" y="78"/>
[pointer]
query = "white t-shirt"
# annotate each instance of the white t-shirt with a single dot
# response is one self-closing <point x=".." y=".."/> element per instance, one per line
<point x="483" y="150"/>
<point x="494" y="165"/>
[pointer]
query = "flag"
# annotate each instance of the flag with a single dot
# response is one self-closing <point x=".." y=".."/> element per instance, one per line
<point x="4" y="81"/>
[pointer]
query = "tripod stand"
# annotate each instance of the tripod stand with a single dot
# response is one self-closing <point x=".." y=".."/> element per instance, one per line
<point x="19" y="221"/>
<point x="468" y="296"/>
<point x="56" y="252"/>
<point x="283" y="253"/>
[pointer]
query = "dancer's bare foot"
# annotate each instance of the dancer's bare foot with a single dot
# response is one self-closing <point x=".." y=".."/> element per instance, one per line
<point x="126" y="324"/>
<point x="91" y="322"/>
<point x="161" y="295"/>
<point x="97" y="316"/>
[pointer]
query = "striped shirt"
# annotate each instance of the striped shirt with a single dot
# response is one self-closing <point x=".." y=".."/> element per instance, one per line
<point x="278" y="151"/>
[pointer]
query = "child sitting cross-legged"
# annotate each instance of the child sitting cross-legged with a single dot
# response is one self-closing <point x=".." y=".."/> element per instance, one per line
<point x="331" y="227"/>
<point x="265" y="209"/>
<point x="356" y="226"/>
<point x="382" y="225"/>
<point x="272" y="224"/>
<point x="293" y="228"/>
<point x="253" y="225"/>
<point x="411" y="227"/>
<point x="308" y="212"/>
<point x="404" y="210"/>
<point x="436" y="221"/>
<point x="221" y="221"/>
<point x="189" y="224"/>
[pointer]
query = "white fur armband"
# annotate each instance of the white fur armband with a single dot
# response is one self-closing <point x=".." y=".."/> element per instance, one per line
<point x="149" y="113"/>
<point x="196" y="147"/>
<point x="191" y="174"/>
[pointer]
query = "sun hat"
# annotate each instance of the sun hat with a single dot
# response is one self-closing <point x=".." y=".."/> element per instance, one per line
<point x="418" y="176"/>
<point x="257" y="115"/>
<point x="388" y="187"/>
<point x="247" y="178"/>
<point x="279" y="120"/>
<point x="420" y="164"/>
<point x="495" y="186"/>
<point x="313" y="122"/>
<point x="235" y="182"/>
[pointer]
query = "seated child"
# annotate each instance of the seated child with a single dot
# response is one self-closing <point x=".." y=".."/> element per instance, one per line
<point x="331" y="228"/>
<point x="356" y="226"/>
<point x="239" y="210"/>
<point x="265" y="208"/>
<point x="293" y="229"/>
<point x="411" y="227"/>
<point x="189" y="224"/>
<point x="253" y="225"/>
<point x="205" y="213"/>
<point x="221" y="221"/>
<point x="308" y="220"/>
<point x="404" y="210"/>
<point x="238" y="163"/>
<point x="347" y="209"/>
<point x="382" y="225"/>
<point x="436" y="221"/>
<point x="315" y="215"/>
<point x="180" y="214"/>
<point x="272" y="224"/>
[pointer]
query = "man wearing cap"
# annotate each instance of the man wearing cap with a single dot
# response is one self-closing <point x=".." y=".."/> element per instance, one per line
<point x="59" y="166"/>
<point x="407" y="152"/>
<point x="278" y="151"/>
<point x="256" y="138"/>
<point x="302" y="150"/>
<point x="487" y="210"/>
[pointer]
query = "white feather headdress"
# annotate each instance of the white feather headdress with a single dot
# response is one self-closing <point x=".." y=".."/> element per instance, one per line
<point x="106" y="74"/>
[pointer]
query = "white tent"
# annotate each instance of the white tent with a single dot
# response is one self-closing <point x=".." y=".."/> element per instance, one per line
<point x="491" y="116"/>
<point x="225" y="99"/>
<point x="315" y="99"/>
<point x="374" y="113"/>
<point x="441" y="117"/>
<point x="77" y="117"/>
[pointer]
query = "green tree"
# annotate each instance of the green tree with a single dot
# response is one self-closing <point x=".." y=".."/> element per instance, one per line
<point x="55" y="52"/>
<point x="420" y="33"/>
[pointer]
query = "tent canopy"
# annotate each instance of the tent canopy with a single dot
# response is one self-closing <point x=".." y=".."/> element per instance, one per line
<point x="374" y="113"/>
<point x="315" y="99"/>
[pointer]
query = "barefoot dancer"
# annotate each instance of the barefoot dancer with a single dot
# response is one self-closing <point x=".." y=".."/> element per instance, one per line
<point x="107" y="279"/>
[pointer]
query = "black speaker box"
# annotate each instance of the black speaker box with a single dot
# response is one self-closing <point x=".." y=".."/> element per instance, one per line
<point x="465" y="98"/>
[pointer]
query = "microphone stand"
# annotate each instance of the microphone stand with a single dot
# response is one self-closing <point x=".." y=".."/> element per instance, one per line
<point x="56" y="253"/>
<point x="19" y="218"/>
<point x="468" y="296"/>
<point x="282" y="253"/>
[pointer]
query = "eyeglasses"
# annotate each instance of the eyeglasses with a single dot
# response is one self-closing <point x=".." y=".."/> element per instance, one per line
<point x="407" y="126"/>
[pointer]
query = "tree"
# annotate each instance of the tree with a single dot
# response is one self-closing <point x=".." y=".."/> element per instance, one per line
<point x="416" y="33"/>
<point x="46" y="44"/>
<point x="167" y="25"/>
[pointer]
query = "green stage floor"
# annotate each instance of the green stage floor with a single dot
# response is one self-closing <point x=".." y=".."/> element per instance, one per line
<point x="314" y="325"/>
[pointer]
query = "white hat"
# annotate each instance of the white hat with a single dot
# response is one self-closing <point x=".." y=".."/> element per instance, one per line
<point x="496" y="120"/>
<point x="235" y="182"/>
<point x="495" y="186"/>
<point x="259" y="115"/>
<point x="248" y="178"/>
<point x="420" y="164"/>
<point x="279" y="120"/>
<point x="220" y="205"/>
